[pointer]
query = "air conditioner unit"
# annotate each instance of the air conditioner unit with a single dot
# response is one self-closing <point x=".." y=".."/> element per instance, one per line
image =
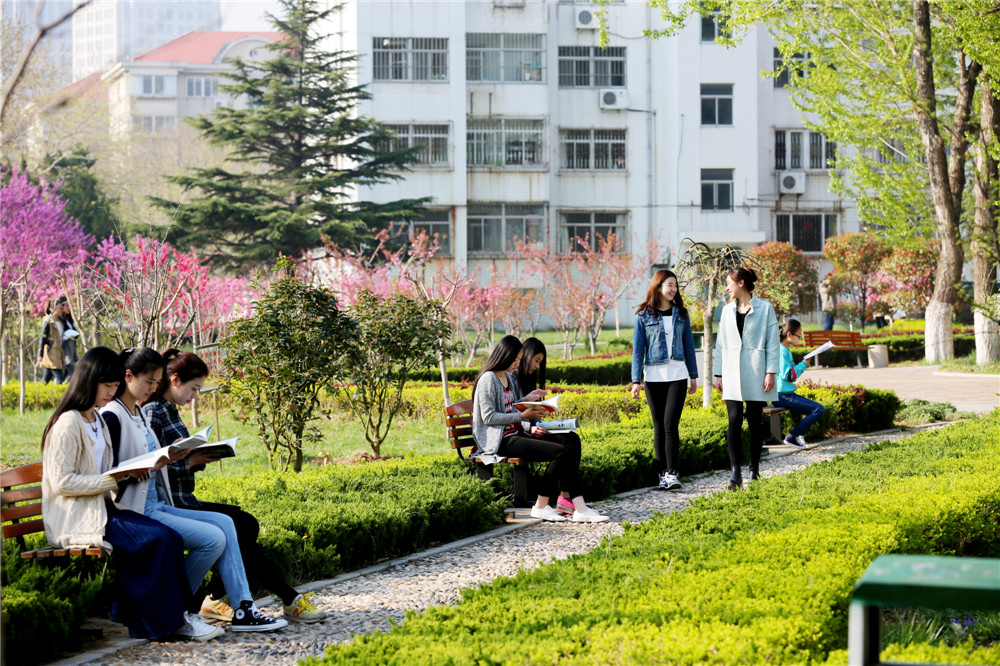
<point x="792" y="182"/>
<point x="613" y="98"/>
<point x="585" y="20"/>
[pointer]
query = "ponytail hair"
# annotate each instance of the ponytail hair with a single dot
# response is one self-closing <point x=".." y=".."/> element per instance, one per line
<point x="790" y="326"/>
<point x="746" y="275"/>
<point x="185" y="365"/>
<point x="138" y="361"/>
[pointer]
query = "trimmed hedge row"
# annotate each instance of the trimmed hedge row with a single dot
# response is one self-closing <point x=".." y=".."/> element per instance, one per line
<point x="906" y="347"/>
<point x="759" y="576"/>
<point x="607" y="370"/>
<point x="36" y="395"/>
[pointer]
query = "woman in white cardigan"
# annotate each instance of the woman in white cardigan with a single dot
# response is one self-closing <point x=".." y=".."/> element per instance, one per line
<point x="747" y="356"/>
<point x="149" y="596"/>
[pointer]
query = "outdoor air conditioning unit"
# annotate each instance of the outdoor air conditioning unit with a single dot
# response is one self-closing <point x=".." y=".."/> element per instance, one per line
<point x="585" y="20"/>
<point x="792" y="182"/>
<point x="614" y="98"/>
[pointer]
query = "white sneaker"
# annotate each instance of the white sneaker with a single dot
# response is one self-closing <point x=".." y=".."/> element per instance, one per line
<point x="670" y="482"/>
<point x="588" y="516"/>
<point x="547" y="513"/>
<point x="800" y="441"/>
<point x="196" y="629"/>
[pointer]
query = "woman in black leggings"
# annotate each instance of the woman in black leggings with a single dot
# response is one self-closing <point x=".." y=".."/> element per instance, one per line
<point x="663" y="353"/>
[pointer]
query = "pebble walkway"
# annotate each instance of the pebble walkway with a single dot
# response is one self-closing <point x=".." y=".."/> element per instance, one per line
<point x="362" y="604"/>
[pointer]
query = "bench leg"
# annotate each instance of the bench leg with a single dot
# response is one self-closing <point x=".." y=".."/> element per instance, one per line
<point x="860" y="364"/>
<point x="521" y="493"/>
<point x="863" y="635"/>
<point x="484" y="472"/>
<point x="776" y="427"/>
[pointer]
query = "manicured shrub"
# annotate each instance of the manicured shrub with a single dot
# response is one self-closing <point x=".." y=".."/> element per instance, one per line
<point x="605" y="370"/>
<point x="36" y="395"/>
<point x="918" y="411"/>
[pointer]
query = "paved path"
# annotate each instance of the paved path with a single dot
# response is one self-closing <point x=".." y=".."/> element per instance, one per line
<point x="967" y="392"/>
<point x="362" y="602"/>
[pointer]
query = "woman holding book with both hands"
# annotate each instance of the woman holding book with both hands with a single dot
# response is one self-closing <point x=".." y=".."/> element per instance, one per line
<point x="183" y="377"/>
<point x="151" y="593"/>
<point x="788" y="374"/>
<point x="499" y="433"/>
<point x="663" y="354"/>
<point x="209" y="536"/>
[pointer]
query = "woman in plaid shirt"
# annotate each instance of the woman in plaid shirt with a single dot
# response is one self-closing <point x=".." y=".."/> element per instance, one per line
<point x="182" y="380"/>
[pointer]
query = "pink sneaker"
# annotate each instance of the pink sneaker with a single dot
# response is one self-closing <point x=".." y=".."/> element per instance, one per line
<point x="565" y="506"/>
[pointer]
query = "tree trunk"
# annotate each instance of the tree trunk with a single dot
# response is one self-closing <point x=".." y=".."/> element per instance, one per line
<point x="20" y="357"/>
<point x="947" y="179"/>
<point x="444" y="376"/>
<point x="984" y="247"/>
<point x="708" y="346"/>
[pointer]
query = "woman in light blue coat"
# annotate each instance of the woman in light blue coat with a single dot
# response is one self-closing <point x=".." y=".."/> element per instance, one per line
<point x="747" y="357"/>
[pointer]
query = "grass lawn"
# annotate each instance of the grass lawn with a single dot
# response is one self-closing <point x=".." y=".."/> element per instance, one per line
<point x="20" y="438"/>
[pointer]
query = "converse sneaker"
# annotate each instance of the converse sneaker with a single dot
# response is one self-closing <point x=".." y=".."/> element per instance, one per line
<point x="303" y="610"/>
<point x="248" y="618"/>
<point x="669" y="482"/>
<point x="547" y="513"/>
<point x="588" y="516"/>
<point x="798" y="441"/>
<point x="196" y="629"/>
<point x="216" y="609"/>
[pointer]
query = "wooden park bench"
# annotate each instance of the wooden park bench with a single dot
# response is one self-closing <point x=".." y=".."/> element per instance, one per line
<point x="916" y="581"/>
<point x="458" y="425"/>
<point x="774" y="414"/>
<point x="21" y="512"/>
<point x="843" y="340"/>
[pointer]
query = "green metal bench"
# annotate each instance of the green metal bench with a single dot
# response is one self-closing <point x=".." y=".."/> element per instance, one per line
<point x="916" y="581"/>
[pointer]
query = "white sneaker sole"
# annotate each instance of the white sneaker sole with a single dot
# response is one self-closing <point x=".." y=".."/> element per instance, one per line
<point x="204" y="638"/>
<point x="589" y="519"/>
<point x="277" y="624"/>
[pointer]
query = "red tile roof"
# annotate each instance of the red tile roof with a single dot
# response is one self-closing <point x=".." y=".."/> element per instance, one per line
<point x="90" y="88"/>
<point x="200" y="46"/>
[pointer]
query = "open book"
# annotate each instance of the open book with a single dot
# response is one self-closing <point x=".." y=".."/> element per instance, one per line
<point x="550" y="404"/>
<point x="560" y="425"/>
<point x="223" y="449"/>
<point x="819" y="350"/>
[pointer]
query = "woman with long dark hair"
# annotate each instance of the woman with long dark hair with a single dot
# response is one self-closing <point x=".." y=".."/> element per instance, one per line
<point x="663" y="355"/>
<point x="747" y="359"/>
<point x="499" y="433"/>
<point x="182" y="379"/>
<point x="151" y="596"/>
<point x="531" y="371"/>
<point x="788" y="374"/>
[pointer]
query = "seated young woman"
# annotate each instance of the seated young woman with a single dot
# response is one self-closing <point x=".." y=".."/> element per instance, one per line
<point x="151" y="596"/>
<point x="788" y="373"/>
<point x="499" y="433"/>
<point x="210" y="537"/>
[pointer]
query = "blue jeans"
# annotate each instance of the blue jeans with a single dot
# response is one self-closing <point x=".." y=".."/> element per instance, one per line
<point x="796" y="404"/>
<point x="209" y="537"/>
<point x="827" y="321"/>
<point x="55" y="375"/>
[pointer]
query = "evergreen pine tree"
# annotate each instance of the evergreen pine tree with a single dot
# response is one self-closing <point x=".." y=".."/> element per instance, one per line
<point x="301" y="152"/>
<point x="86" y="200"/>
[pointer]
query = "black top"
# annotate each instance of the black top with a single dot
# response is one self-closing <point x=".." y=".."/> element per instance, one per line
<point x="740" y="318"/>
<point x="669" y="312"/>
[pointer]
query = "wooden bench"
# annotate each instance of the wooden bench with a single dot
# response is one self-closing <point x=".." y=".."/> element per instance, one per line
<point x="21" y="512"/>
<point x="774" y="413"/>
<point x="458" y="426"/>
<point x="916" y="581"/>
<point x="843" y="340"/>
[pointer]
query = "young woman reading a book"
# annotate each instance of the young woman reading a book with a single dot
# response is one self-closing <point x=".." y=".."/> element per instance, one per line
<point x="746" y="363"/>
<point x="663" y="354"/>
<point x="150" y="595"/>
<point x="788" y="374"/>
<point x="531" y="371"/>
<point x="499" y="433"/>
<point x="209" y="537"/>
<point x="183" y="377"/>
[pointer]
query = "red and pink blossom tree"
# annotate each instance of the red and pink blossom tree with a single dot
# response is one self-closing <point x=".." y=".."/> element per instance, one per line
<point x="788" y="280"/>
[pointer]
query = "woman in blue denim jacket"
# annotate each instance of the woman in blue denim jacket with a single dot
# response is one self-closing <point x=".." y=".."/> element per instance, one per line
<point x="663" y="352"/>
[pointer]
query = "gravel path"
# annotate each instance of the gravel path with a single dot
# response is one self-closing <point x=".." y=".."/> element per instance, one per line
<point x="359" y="604"/>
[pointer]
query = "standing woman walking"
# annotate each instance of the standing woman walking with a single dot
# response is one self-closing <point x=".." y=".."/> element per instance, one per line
<point x="663" y="353"/>
<point x="747" y="357"/>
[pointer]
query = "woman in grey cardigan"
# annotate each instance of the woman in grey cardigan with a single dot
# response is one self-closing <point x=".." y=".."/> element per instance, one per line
<point x="499" y="431"/>
<point x="747" y="356"/>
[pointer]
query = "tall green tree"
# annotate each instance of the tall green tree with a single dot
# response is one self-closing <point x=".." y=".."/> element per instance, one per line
<point x="85" y="197"/>
<point x="298" y="154"/>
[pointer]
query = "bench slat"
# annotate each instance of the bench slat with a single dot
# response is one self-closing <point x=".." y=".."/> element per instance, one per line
<point x="20" y="529"/>
<point x="21" y="495"/>
<point x="22" y="475"/>
<point x="22" y="511"/>
<point x="458" y="420"/>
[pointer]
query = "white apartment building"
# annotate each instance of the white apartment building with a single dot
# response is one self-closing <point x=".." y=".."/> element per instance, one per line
<point x="533" y="129"/>
<point x="110" y="31"/>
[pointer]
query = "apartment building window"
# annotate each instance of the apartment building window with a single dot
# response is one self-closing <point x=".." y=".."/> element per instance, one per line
<point x="152" y="124"/>
<point x="493" y="227"/>
<point x="716" y="104"/>
<point x="783" y="73"/>
<point x="713" y="26"/>
<point x="410" y="58"/>
<point x="806" y="231"/>
<point x="432" y="140"/>
<point x="589" y="227"/>
<point x="716" y="189"/>
<point x="510" y="57"/>
<point x="592" y="149"/>
<point x="435" y="223"/>
<point x="505" y="142"/>
<point x="202" y="87"/>
<point x="790" y="150"/>
<point x="154" y="85"/>
<point x="591" y="67"/>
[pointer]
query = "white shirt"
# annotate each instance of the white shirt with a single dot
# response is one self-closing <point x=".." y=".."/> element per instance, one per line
<point x="673" y="370"/>
<point x="100" y="445"/>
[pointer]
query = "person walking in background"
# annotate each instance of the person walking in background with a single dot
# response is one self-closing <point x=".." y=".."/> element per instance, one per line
<point x="747" y="360"/>
<point x="663" y="354"/>
<point x="498" y="431"/>
<point x="50" y="352"/>
<point x="788" y="373"/>
<point x="828" y="303"/>
<point x="69" y="336"/>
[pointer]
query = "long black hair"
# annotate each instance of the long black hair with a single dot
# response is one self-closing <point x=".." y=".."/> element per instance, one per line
<point x="138" y="361"/>
<point x="501" y="358"/>
<point x="529" y="381"/>
<point x="99" y="365"/>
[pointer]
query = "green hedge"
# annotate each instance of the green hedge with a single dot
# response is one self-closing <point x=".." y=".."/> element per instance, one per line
<point x="36" y="395"/>
<point x="905" y="347"/>
<point x="764" y="575"/>
<point x="606" y="370"/>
